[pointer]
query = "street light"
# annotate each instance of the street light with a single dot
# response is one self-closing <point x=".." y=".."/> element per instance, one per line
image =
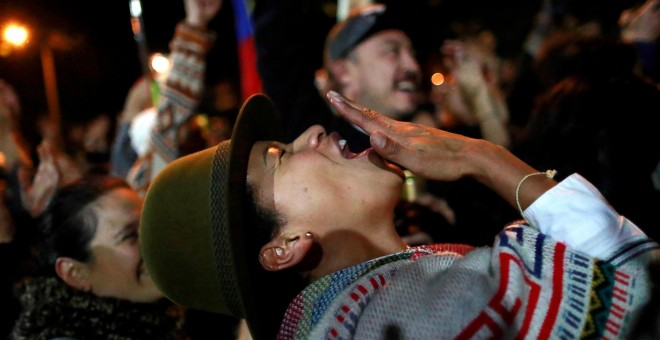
<point x="15" y="34"/>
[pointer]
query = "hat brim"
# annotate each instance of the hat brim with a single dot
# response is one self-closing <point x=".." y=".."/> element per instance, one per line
<point x="258" y="120"/>
<point x="196" y="241"/>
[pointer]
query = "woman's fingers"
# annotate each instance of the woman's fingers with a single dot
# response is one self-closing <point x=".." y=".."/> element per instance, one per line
<point x="367" y="119"/>
<point x="386" y="147"/>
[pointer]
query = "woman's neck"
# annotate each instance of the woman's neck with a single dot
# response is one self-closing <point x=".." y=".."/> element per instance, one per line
<point x="348" y="247"/>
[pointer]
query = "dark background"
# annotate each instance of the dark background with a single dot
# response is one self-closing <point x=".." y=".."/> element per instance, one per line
<point x="99" y="61"/>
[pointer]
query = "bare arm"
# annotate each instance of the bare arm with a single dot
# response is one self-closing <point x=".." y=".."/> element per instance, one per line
<point x="478" y="99"/>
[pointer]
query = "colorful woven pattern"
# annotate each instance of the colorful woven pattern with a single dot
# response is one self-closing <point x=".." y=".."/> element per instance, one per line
<point x="527" y="286"/>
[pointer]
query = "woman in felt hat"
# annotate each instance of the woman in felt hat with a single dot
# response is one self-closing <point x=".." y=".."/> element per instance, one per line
<point x="299" y="239"/>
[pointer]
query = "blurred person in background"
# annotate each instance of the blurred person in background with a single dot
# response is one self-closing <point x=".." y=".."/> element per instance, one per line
<point x="26" y="188"/>
<point x="12" y="144"/>
<point x="590" y="122"/>
<point x="89" y="280"/>
<point x="8" y="250"/>
<point x="157" y="133"/>
<point x="469" y="101"/>
<point x="640" y="26"/>
<point x="538" y="70"/>
<point x="582" y="100"/>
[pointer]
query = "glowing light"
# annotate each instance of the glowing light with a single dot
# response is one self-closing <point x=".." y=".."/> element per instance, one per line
<point x="202" y="121"/>
<point x="136" y="8"/>
<point x="159" y="64"/>
<point x="16" y="35"/>
<point x="437" y="79"/>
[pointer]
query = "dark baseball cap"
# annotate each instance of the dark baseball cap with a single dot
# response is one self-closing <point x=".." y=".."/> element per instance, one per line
<point x="360" y="24"/>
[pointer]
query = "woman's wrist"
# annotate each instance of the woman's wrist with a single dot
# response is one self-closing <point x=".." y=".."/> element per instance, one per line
<point x="195" y="23"/>
<point x="498" y="169"/>
<point x="480" y="158"/>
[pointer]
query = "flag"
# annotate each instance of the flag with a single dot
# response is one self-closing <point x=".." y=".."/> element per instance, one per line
<point x="247" y="54"/>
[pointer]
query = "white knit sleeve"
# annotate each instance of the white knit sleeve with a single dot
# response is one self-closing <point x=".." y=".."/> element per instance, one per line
<point x="576" y="213"/>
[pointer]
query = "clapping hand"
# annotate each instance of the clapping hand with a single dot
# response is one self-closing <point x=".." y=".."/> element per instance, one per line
<point x="55" y="170"/>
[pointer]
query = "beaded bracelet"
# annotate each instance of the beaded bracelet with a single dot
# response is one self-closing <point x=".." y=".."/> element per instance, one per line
<point x="547" y="173"/>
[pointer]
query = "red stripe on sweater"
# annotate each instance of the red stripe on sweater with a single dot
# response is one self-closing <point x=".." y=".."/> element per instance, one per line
<point x="557" y="283"/>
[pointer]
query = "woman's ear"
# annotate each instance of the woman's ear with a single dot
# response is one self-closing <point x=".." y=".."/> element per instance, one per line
<point x="73" y="273"/>
<point x="285" y="251"/>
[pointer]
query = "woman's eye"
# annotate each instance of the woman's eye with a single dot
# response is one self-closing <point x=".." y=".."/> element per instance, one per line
<point x="130" y="236"/>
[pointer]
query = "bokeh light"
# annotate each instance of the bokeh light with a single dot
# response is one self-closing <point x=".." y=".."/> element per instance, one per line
<point x="15" y="34"/>
<point x="159" y="64"/>
<point x="437" y="79"/>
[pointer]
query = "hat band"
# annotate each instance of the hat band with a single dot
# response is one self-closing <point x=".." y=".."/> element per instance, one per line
<point x="224" y="259"/>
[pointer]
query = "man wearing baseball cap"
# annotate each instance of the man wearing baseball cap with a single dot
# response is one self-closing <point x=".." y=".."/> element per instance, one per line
<point x="367" y="57"/>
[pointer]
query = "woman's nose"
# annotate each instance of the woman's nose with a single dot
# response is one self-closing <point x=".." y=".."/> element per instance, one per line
<point x="309" y="139"/>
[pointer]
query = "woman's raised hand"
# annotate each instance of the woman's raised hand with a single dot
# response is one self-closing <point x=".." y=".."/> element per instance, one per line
<point x="426" y="151"/>
<point x="200" y="12"/>
<point x="440" y="155"/>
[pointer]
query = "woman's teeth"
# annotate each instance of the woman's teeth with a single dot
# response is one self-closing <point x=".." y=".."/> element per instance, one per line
<point x="345" y="152"/>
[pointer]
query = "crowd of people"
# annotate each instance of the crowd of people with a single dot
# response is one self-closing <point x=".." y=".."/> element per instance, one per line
<point x="349" y="200"/>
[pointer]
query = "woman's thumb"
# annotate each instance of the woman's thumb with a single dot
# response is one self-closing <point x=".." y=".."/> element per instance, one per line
<point x="384" y="145"/>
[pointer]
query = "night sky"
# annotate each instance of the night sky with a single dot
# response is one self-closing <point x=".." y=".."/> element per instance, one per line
<point x="95" y="72"/>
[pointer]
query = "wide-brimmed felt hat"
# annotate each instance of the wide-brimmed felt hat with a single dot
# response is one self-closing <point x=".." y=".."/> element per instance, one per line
<point x="196" y="243"/>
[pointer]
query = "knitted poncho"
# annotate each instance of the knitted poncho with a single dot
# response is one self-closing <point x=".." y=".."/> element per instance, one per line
<point x="52" y="309"/>
<point x="527" y="285"/>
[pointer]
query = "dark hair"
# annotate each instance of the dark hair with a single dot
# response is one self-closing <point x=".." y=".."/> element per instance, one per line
<point x="266" y="223"/>
<point x="283" y="286"/>
<point x="69" y="224"/>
